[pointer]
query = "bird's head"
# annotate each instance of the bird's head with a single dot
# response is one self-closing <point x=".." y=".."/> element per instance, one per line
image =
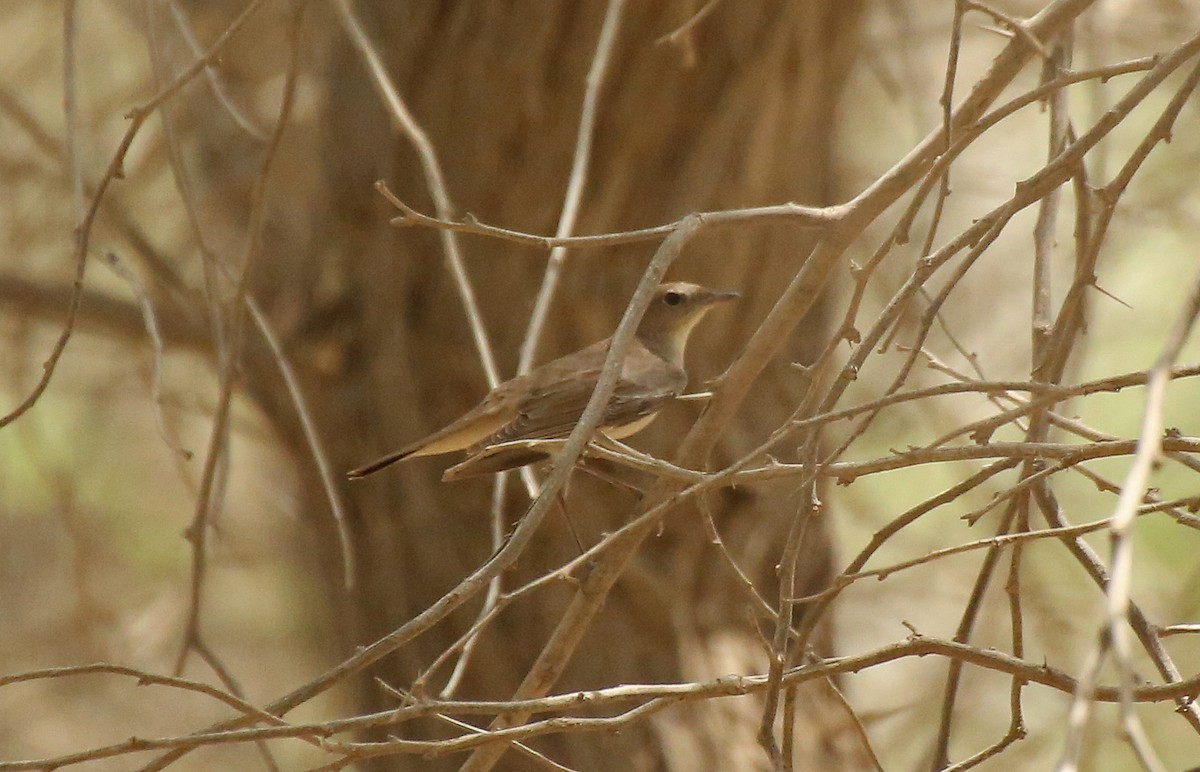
<point x="673" y="311"/>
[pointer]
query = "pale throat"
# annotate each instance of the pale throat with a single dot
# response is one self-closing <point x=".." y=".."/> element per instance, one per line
<point x="677" y="340"/>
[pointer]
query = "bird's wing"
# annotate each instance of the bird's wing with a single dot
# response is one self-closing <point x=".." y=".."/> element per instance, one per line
<point x="551" y="411"/>
<point x="552" y="415"/>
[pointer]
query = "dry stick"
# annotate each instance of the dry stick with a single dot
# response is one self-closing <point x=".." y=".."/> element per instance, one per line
<point x="726" y="686"/>
<point x="540" y="758"/>
<point x="856" y="723"/>
<point x="71" y="111"/>
<point x="1068" y="453"/>
<point x="408" y="699"/>
<point x="144" y="678"/>
<point x="1163" y="632"/>
<point x="1149" y="447"/>
<point x="575" y="184"/>
<point x="843" y="580"/>
<point x="795" y="214"/>
<point x="656" y="696"/>
<point x="1044" y="232"/>
<point x="779" y="649"/>
<point x="1134" y="488"/>
<point x="1016" y="723"/>
<point x="150" y="321"/>
<point x="436" y="183"/>
<point x="218" y="435"/>
<point x="212" y="75"/>
<point x="1044" y="229"/>
<point x="1014" y="24"/>
<point x="434" y="179"/>
<point x="789" y="730"/>
<point x="673" y="37"/>
<point x="946" y="102"/>
<point x="83" y="231"/>
<point x="208" y="261"/>
<point x="846" y="472"/>
<point x="491" y="599"/>
<point x="962" y="634"/>
<point x="1091" y="563"/>
<point x="410" y="218"/>
<point x="884" y="534"/>
<point x="312" y="437"/>
<point x="1045" y="393"/>
<point x="226" y="677"/>
<point x="729" y="685"/>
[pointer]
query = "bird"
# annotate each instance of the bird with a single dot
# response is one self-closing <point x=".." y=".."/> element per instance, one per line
<point x="546" y="402"/>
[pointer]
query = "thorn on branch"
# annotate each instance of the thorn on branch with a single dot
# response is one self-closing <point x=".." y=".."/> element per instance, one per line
<point x="1096" y="286"/>
<point x="982" y="435"/>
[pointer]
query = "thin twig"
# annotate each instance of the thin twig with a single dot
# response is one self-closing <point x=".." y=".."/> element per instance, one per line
<point x="196" y="532"/>
<point x="313" y="438"/>
<point x="435" y="180"/>
<point x="212" y="75"/>
<point x="575" y="184"/>
<point x="150" y="321"/>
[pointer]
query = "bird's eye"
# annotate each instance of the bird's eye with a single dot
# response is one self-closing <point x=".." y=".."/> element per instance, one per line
<point x="673" y="298"/>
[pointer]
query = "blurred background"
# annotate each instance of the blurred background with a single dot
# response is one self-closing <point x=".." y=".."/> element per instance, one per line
<point x="753" y="104"/>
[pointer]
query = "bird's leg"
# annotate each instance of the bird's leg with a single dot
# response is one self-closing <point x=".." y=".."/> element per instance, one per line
<point x="595" y="467"/>
<point x="607" y="471"/>
<point x="561" y="499"/>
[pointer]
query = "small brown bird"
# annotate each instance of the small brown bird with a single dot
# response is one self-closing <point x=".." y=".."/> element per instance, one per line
<point x="547" y="402"/>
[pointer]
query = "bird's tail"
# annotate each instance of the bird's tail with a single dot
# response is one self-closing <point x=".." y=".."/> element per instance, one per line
<point x="375" y="466"/>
